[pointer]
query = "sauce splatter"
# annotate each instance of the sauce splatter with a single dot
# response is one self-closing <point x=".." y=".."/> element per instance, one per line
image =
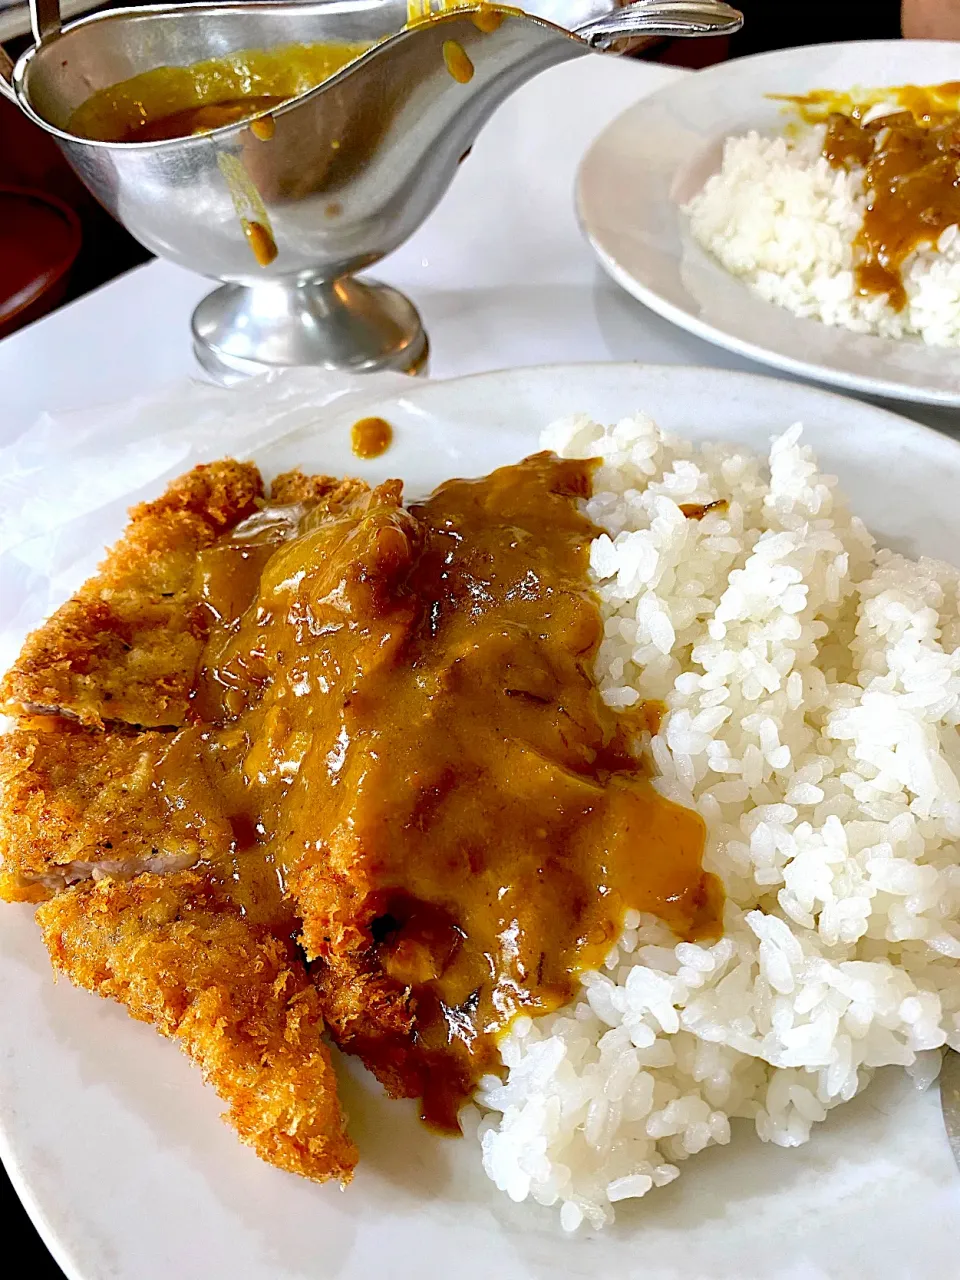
<point x="370" y="437"/>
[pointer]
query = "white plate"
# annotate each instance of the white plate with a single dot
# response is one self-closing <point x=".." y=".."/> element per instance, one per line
<point x="658" y="154"/>
<point x="117" y="1148"/>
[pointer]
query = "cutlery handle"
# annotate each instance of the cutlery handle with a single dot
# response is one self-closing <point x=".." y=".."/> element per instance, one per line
<point x="45" y="19"/>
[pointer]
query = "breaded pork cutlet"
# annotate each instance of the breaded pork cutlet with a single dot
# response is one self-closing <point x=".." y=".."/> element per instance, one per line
<point x="126" y="646"/>
<point x="334" y="652"/>
<point x="75" y="802"/>
<point x="376" y="739"/>
<point x="235" y="996"/>
<point x="144" y="840"/>
<point x="80" y="801"/>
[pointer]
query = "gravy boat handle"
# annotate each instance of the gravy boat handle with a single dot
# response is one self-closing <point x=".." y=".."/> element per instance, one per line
<point x="45" y="19"/>
<point x="663" y="18"/>
<point x="45" y="23"/>
<point x="6" y="75"/>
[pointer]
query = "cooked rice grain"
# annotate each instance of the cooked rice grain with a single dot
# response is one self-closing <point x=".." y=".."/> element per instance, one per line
<point x="813" y="687"/>
<point x="781" y="218"/>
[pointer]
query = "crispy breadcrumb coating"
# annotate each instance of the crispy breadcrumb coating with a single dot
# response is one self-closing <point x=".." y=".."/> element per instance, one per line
<point x="327" y="492"/>
<point x="236" y="997"/>
<point x="74" y="800"/>
<point x="158" y="892"/>
<point x="126" y="646"/>
<point x="153" y="895"/>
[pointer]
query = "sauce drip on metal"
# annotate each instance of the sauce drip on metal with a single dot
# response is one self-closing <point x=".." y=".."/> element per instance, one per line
<point x="398" y="712"/>
<point x="457" y="61"/>
<point x="261" y="241"/>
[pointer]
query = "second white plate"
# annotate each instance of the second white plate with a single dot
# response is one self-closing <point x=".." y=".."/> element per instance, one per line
<point x="653" y="158"/>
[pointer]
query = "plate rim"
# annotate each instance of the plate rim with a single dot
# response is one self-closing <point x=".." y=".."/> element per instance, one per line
<point x="686" y="319"/>
<point x="814" y="387"/>
<point x="34" y="1210"/>
<point x="60" y="1247"/>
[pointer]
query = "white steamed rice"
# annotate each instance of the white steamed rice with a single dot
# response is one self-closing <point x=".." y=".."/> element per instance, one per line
<point x="813" y="687"/>
<point x="781" y="218"/>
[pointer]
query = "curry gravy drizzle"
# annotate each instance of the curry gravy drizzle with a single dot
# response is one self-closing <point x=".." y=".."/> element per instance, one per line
<point x="398" y="720"/>
<point x="177" y="102"/>
<point x="911" y="162"/>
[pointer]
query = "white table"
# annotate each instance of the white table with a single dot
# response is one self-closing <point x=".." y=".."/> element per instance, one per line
<point x="500" y="273"/>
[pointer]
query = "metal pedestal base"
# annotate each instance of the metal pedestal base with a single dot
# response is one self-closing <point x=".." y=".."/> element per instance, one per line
<point x="347" y="324"/>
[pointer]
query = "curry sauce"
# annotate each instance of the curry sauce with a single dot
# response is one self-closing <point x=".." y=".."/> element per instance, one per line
<point x="199" y="119"/>
<point x="397" y="723"/>
<point x="910" y="157"/>
<point x="177" y="102"/>
<point x="370" y="437"/>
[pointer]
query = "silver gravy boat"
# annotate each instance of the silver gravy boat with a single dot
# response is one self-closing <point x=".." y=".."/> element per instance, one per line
<point x="352" y="168"/>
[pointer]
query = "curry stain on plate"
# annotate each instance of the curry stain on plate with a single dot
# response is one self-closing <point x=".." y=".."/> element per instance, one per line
<point x="370" y="437"/>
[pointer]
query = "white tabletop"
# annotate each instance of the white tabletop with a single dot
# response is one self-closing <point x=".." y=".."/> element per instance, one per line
<point x="500" y="273"/>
